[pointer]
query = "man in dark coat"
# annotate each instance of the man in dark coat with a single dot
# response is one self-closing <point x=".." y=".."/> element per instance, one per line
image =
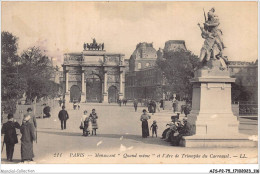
<point x="10" y="138"/>
<point x="63" y="116"/>
<point x="28" y="136"/>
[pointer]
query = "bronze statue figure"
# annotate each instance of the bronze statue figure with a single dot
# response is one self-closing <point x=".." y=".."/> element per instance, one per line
<point x="213" y="45"/>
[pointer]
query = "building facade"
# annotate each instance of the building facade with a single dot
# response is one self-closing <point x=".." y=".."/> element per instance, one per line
<point x="93" y="75"/>
<point x="144" y="79"/>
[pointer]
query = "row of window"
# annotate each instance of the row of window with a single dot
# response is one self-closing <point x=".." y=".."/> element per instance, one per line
<point x="139" y="65"/>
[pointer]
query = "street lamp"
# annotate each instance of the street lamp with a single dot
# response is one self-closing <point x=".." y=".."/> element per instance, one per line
<point x="17" y="63"/>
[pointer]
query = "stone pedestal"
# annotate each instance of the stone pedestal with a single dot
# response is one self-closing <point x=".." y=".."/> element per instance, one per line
<point x="212" y="121"/>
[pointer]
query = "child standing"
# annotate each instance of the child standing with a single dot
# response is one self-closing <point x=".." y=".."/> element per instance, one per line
<point x="93" y="119"/>
<point x="154" y="128"/>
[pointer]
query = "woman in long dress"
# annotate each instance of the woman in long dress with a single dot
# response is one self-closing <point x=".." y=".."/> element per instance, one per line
<point x="28" y="136"/>
<point x="145" y="128"/>
<point x="84" y="123"/>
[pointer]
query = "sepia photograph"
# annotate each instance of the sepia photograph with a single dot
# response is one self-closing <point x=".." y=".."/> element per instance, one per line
<point x="109" y="82"/>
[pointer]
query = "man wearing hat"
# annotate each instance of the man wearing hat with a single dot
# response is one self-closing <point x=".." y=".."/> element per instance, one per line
<point x="63" y="116"/>
<point x="185" y="130"/>
<point x="10" y="138"/>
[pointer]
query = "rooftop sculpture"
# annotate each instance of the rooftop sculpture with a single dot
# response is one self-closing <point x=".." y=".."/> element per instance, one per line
<point x="94" y="45"/>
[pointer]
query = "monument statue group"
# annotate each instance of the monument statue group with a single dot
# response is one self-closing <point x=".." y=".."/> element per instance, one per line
<point x="213" y="45"/>
<point x="94" y="45"/>
<point x="212" y="121"/>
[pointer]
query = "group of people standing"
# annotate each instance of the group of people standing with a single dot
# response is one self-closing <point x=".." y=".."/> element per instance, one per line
<point x="89" y="123"/>
<point x="153" y="106"/>
<point x="145" y="127"/>
<point x="28" y="129"/>
<point x="175" y="131"/>
<point x="119" y="102"/>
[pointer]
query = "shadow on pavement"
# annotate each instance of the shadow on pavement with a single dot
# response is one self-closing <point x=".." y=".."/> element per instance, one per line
<point x="62" y="133"/>
<point x="149" y="140"/>
<point x="5" y="161"/>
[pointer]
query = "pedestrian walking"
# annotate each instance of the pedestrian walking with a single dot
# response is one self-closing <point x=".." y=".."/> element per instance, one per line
<point x="154" y="106"/>
<point x="60" y="102"/>
<point x="93" y="118"/>
<point x="74" y="105"/>
<point x="10" y="138"/>
<point x="186" y="110"/>
<point x="145" y="128"/>
<point x="120" y="102"/>
<point x="135" y="105"/>
<point x="154" y="128"/>
<point x="161" y="104"/>
<point x="158" y="106"/>
<point x="63" y="116"/>
<point x="28" y="136"/>
<point x="150" y="109"/>
<point x="175" y="105"/>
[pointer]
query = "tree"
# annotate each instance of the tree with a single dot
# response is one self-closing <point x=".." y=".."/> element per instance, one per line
<point x="11" y="79"/>
<point x="9" y="49"/>
<point x="38" y="70"/>
<point x="178" y="68"/>
<point x="239" y="92"/>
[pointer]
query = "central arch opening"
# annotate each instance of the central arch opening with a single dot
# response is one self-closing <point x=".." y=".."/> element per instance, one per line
<point x="94" y="88"/>
<point x="75" y="94"/>
<point x="112" y="94"/>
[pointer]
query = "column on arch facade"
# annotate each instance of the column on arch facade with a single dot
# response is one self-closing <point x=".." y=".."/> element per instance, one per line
<point x="121" y="84"/>
<point x="105" y="94"/>
<point x="83" y="87"/>
<point x="66" y="92"/>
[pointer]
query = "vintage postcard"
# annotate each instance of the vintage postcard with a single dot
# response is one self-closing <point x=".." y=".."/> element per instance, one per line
<point x="129" y="82"/>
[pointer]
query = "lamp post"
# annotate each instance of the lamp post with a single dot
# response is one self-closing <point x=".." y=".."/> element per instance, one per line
<point x="17" y="63"/>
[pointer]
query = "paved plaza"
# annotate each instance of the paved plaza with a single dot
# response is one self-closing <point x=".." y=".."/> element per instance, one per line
<point x="119" y="140"/>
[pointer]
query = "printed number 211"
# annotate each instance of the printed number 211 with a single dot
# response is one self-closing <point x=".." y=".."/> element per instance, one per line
<point x="57" y="154"/>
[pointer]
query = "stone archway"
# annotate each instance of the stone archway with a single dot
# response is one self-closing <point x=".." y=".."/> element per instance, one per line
<point x="93" y="88"/>
<point x="75" y="94"/>
<point x="112" y="94"/>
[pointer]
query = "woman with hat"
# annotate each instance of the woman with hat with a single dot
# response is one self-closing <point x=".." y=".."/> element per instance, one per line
<point x="84" y="123"/>
<point x="28" y="136"/>
<point x="145" y="127"/>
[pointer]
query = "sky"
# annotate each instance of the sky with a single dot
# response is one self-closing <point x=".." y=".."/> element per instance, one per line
<point x="62" y="27"/>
